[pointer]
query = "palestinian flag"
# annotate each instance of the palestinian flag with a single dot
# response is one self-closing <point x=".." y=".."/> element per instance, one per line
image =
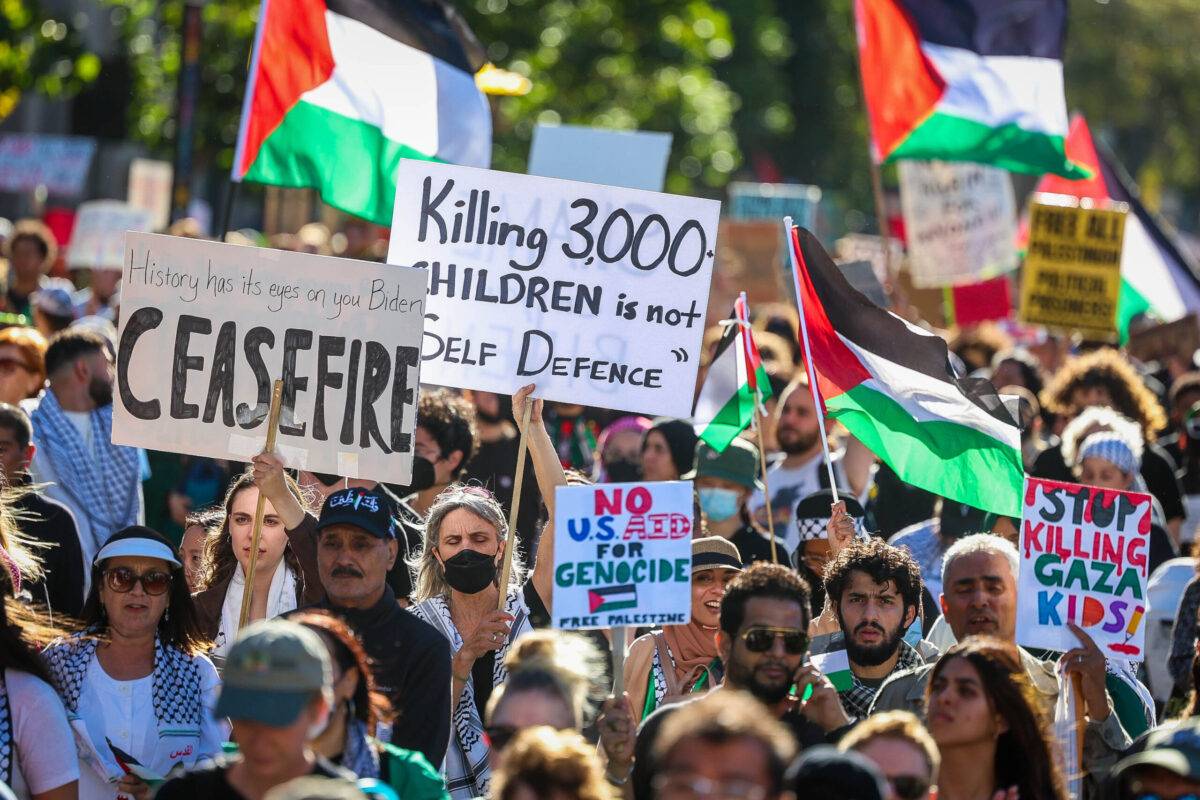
<point x="341" y="90"/>
<point x="612" y="598"/>
<point x="966" y="81"/>
<point x="835" y="665"/>
<point x="891" y="384"/>
<point x="734" y="386"/>
<point x="1157" y="278"/>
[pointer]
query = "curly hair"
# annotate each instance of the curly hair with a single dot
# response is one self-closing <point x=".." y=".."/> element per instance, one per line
<point x="550" y="763"/>
<point x="761" y="579"/>
<point x="882" y="562"/>
<point x="1024" y="753"/>
<point x="1106" y="369"/>
<point x="450" y="419"/>
<point x="345" y="650"/>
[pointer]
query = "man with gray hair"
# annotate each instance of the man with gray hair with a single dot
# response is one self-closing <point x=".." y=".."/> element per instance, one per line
<point x="979" y="597"/>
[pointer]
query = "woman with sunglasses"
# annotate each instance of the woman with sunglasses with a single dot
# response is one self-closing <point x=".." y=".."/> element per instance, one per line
<point x="982" y="712"/>
<point x="285" y="576"/>
<point x="669" y="665"/>
<point x="135" y="682"/>
<point x="458" y="592"/>
<point x="349" y="739"/>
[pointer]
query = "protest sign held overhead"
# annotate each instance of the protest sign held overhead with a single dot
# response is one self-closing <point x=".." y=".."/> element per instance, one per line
<point x="960" y="221"/>
<point x="59" y="163"/>
<point x="206" y="328"/>
<point x="1084" y="557"/>
<point x="1072" y="274"/>
<point x="596" y="293"/>
<point x="633" y="159"/>
<point x="98" y="239"/>
<point x="623" y="555"/>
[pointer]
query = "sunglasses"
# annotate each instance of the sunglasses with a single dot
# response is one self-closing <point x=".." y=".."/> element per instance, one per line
<point x="122" y="580"/>
<point x="498" y="736"/>
<point x="762" y="638"/>
<point x="909" y="787"/>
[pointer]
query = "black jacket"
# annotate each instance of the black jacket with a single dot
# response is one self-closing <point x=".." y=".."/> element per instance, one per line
<point x="52" y="523"/>
<point x="411" y="664"/>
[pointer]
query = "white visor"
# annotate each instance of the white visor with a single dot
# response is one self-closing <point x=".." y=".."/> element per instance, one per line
<point x="147" y="548"/>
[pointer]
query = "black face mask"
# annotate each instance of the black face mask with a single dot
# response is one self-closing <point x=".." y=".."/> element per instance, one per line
<point x="623" y="471"/>
<point x="469" y="571"/>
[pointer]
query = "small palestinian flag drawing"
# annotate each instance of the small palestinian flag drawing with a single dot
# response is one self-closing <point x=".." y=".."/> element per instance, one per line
<point x="612" y="598"/>
<point x="835" y="665"/>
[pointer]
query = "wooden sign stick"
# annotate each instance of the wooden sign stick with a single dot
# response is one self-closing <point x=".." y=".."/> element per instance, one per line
<point x="260" y="509"/>
<point x="519" y="479"/>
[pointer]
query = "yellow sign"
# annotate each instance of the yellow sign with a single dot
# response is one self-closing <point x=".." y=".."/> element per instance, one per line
<point x="1072" y="273"/>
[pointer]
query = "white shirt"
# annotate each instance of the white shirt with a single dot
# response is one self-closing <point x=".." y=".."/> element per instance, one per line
<point x="123" y="712"/>
<point x="790" y="485"/>
<point x="43" y="745"/>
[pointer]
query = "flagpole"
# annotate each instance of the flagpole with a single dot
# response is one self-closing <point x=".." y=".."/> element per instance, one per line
<point x="758" y="434"/>
<point x="812" y="373"/>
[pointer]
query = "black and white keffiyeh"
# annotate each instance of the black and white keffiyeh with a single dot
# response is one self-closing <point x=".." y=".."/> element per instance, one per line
<point x="812" y="528"/>
<point x="104" y="482"/>
<point x="468" y="773"/>
<point x="858" y="698"/>
<point x="177" y="691"/>
<point x="6" y="735"/>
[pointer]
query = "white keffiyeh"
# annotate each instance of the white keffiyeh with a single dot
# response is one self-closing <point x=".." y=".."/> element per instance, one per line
<point x="280" y="599"/>
<point x="468" y="773"/>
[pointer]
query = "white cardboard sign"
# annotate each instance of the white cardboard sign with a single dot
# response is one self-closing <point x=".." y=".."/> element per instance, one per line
<point x="98" y="238"/>
<point x="622" y="555"/>
<point x="960" y="220"/>
<point x="206" y="329"/>
<point x="633" y="159"/>
<point x="596" y="294"/>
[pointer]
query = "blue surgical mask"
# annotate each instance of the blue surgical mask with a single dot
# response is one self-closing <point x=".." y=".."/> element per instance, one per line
<point x="719" y="504"/>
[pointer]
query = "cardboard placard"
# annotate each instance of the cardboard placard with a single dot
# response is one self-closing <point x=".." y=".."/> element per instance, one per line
<point x="1084" y="555"/>
<point x="774" y="201"/>
<point x="207" y="327"/>
<point x="622" y="555"/>
<point x="594" y="293"/>
<point x="960" y="222"/>
<point x="633" y="159"/>
<point x="150" y="189"/>
<point x="1072" y="274"/>
<point x="98" y="239"/>
<point x="30" y="160"/>
<point x="748" y="259"/>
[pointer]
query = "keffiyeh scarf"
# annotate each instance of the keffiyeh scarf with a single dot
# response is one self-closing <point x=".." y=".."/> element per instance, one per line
<point x="858" y="698"/>
<point x="6" y="735"/>
<point x="103" y="482"/>
<point x="176" y="693"/>
<point x="467" y="771"/>
<point x="281" y="598"/>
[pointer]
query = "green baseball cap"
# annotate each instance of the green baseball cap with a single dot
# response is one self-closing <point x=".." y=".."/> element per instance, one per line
<point x="1176" y="749"/>
<point x="737" y="463"/>
<point x="272" y="672"/>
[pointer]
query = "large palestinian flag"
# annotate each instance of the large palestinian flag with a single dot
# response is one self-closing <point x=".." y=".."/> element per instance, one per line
<point x="891" y="384"/>
<point x="341" y="90"/>
<point x="966" y="81"/>
<point x="1157" y="277"/>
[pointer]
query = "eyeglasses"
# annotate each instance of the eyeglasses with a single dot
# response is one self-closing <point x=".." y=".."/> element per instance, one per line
<point x="499" y="736"/>
<point x="122" y="580"/>
<point x="909" y="787"/>
<point x="760" y="639"/>
<point x="691" y="786"/>
<point x="9" y="365"/>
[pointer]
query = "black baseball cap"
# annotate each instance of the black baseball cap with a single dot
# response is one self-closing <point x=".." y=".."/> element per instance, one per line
<point x="367" y="509"/>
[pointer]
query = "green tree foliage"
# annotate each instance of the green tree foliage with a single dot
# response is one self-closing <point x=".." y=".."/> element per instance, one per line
<point x="40" y="53"/>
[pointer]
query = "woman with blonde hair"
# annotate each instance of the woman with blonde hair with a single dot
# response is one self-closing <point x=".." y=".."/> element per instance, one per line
<point x="458" y="592"/>
<point x="547" y="764"/>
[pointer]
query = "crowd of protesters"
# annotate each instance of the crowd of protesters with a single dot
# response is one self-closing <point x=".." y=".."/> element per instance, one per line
<point x="382" y="657"/>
